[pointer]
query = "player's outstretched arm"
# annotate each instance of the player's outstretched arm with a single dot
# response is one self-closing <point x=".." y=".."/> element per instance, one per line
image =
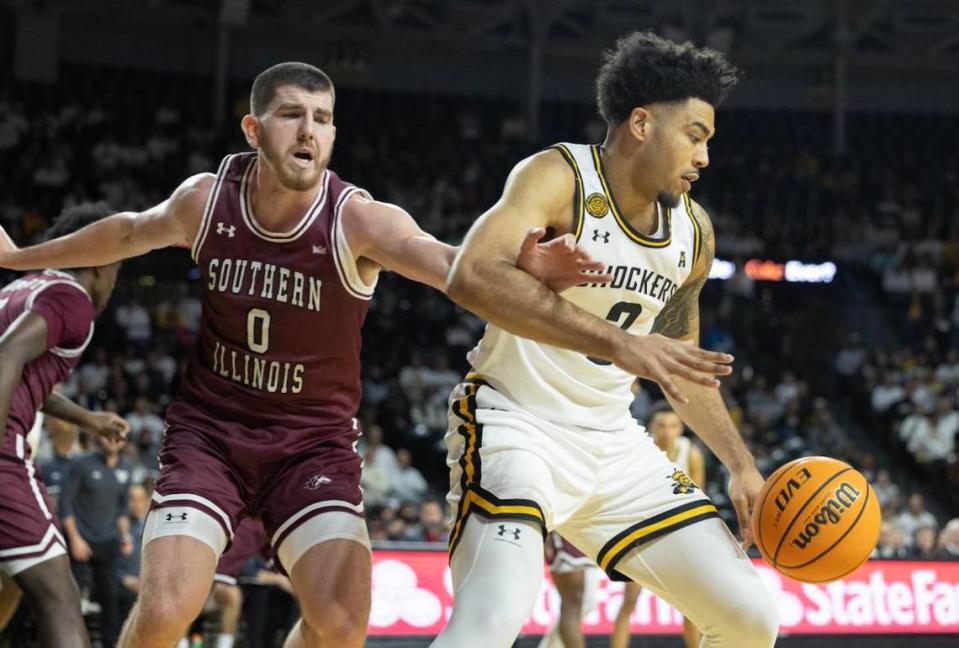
<point x="106" y="424"/>
<point x="704" y="411"/>
<point x="388" y="236"/>
<point x="23" y="342"/>
<point x="485" y="280"/>
<point x="175" y="221"/>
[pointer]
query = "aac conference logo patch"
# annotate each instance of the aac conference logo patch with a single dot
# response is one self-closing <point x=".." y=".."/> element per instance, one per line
<point x="597" y="205"/>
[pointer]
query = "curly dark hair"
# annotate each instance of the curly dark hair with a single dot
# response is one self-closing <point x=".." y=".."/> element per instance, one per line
<point x="76" y="218"/>
<point x="302" y="75"/>
<point x="645" y="68"/>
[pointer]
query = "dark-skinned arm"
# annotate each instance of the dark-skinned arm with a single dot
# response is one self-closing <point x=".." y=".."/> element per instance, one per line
<point x="705" y="412"/>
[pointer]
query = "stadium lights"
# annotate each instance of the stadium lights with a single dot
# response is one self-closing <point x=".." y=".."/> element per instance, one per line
<point x="766" y="270"/>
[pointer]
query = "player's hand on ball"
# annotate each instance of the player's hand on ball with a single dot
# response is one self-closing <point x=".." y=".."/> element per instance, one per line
<point x="660" y="358"/>
<point x="560" y="263"/>
<point x="744" y="487"/>
<point x="109" y="425"/>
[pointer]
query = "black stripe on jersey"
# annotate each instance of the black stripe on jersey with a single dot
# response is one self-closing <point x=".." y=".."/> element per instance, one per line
<point x="473" y="497"/>
<point x="697" y="232"/>
<point x="579" y="199"/>
<point x="655" y="527"/>
<point x="624" y="225"/>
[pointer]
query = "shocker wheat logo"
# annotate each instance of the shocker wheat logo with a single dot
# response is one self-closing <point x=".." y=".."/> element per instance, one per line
<point x="597" y="205"/>
<point x="682" y="484"/>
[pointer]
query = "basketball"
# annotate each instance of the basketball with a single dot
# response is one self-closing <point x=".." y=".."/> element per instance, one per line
<point x="816" y="519"/>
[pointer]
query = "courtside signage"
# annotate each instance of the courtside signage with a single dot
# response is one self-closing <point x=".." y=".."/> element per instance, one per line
<point x="412" y="596"/>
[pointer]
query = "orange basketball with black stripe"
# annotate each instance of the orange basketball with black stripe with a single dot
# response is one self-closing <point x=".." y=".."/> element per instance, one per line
<point x="816" y="519"/>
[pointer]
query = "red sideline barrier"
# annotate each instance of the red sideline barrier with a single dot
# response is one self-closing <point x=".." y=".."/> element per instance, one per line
<point x="412" y="596"/>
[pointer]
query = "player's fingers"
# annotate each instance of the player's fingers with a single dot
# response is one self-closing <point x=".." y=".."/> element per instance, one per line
<point x="704" y="366"/>
<point x="690" y="374"/>
<point x="597" y="278"/>
<point x="663" y="379"/>
<point x="714" y="356"/>
<point x="533" y="236"/>
<point x="595" y="266"/>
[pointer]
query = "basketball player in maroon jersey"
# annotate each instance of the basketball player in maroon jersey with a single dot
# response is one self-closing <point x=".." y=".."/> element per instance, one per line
<point x="263" y="426"/>
<point x="46" y="321"/>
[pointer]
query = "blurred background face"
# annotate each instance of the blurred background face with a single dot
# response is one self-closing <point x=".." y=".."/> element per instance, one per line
<point x="110" y="446"/>
<point x="666" y="427"/>
<point x="138" y="501"/>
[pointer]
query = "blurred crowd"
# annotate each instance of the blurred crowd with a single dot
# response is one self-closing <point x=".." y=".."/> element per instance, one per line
<point x="803" y="384"/>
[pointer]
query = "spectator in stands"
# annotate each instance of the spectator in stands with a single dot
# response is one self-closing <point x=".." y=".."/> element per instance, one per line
<point x="146" y="433"/>
<point x="885" y="489"/>
<point x="914" y="517"/>
<point x="924" y="543"/>
<point x="949" y="541"/>
<point x="892" y="542"/>
<point x="432" y="525"/>
<point x="409" y="483"/>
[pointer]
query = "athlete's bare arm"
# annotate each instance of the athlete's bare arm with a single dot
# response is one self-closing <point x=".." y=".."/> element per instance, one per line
<point x="107" y="424"/>
<point x="389" y="237"/>
<point x="705" y="412"/>
<point x="175" y="221"/>
<point x="23" y="342"/>
<point x="484" y="279"/>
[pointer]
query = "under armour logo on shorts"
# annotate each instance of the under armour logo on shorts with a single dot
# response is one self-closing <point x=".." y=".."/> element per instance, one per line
<point x="597" y="236"/>
<point x="316" y="481"/>
<point x="178" y="516"/>
<point x="503" y="531"/>
<point x="230" y="231"/>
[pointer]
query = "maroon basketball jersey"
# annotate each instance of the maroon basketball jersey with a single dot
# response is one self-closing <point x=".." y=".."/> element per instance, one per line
<point x="69" y="313"/>
<point x="279" y="341"/>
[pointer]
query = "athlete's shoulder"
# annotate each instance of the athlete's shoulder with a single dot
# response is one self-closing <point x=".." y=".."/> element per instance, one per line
<point x="194" y="191"/>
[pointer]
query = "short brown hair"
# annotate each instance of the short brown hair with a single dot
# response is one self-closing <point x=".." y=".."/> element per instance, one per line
<point x="302" y="75"/>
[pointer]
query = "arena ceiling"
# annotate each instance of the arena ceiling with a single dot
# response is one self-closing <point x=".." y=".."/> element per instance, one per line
<point x="884" y="33"/>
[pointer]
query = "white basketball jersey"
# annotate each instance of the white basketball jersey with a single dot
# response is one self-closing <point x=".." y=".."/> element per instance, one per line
<point x="569" y="387"/>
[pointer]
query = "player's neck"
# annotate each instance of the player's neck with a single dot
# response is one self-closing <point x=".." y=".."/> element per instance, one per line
<point x="276" y="207"/>
<point x="636" y="202"/>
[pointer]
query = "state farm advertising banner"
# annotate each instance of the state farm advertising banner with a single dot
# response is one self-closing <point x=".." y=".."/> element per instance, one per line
<point x="412" y="596"/>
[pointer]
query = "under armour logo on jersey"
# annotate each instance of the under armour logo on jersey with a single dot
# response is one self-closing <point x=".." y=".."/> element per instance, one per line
<point x="319" y="249"/>
<point x="597" y="236"/>
<point x="503" y="531"/>
<point x="176" y="516"/>
<point x="682" y="259"/>
<point x="316" y="481"/>
<point x="222" y="228"/>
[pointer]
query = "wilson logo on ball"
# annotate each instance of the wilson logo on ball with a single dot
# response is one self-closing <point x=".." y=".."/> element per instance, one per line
<point x="830" y="513"/>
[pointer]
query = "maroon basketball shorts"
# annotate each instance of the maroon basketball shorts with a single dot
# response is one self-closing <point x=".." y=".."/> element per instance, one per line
<point x="29" y="534"/>
<point x="249" y="540"/>
<point x="565" y="557"/>
<point x="210" y="481"/>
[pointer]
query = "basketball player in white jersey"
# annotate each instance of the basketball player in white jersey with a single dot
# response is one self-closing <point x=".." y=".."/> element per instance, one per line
<point x="667" y="431"/>
<point x="540" y="433"/>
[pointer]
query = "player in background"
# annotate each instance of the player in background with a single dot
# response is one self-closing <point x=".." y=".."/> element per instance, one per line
<point x="575" y="576"/>
<point x="667" y="430"/>
<point x="46" y="322"/>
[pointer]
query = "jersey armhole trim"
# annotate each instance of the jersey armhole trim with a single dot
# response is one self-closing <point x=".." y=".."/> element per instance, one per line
<point x="697" y="231"/>
<point x="578" y="193"/>
<point x="343" y="257"/>
<point x="208" y="209"/>
<point x="62" y="351"/>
